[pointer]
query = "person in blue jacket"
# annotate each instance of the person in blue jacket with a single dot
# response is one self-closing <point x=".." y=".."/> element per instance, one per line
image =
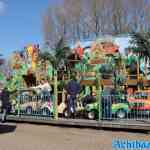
<point x="73" y="88"/>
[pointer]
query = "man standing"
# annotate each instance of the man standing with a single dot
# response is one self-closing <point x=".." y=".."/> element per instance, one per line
<point x="6" y="105"/>
<point x="108" y="96"/>
<point x="73" y="88"/>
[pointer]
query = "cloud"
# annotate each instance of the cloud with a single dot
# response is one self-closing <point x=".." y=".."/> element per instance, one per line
<point x="2" y="7"/>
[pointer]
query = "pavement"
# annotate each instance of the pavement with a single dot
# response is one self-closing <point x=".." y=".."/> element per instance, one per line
<point x="23" y="136"/>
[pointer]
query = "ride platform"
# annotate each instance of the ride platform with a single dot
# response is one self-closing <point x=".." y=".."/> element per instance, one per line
<point x="143" y="125"/>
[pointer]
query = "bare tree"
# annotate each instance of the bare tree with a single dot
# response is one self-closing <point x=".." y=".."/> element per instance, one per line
<point x="77" y="19"/>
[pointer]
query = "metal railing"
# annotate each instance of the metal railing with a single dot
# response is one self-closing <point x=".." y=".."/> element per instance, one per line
<point x="109" y="107"/>
<point x="33" y="105"/>
<point x="129" y="107"/>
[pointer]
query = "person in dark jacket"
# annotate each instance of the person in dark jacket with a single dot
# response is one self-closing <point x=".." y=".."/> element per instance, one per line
<point x="6" y="105"/>
<point x="73" y="88"/>
<point x="108" y="96"/>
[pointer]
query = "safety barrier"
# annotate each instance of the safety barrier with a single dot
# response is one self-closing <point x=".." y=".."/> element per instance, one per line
<point x="128" y="107"/>
<point x="109" y="109"/>
<point x="33" y="105"/>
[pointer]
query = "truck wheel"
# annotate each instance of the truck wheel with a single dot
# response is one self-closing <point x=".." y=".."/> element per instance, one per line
<point x="121" y="114"/>
<point x="65" y="113"/>
<point x="91" y="115"/>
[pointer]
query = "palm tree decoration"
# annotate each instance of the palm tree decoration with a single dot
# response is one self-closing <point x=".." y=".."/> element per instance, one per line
<point x="62" y="51"/>
<point x="141" y="46"/>
<point x="44" y="56"/>
<point x="58" y="56"/>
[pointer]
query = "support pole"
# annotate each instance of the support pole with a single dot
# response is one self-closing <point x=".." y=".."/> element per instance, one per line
<point x="138" y="72"/>
<point x="55" y="95"/>
<point x="18" y="104"/>
<point x="99" y="91"/>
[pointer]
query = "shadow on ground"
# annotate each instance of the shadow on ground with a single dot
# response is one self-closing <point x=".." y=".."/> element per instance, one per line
<point x="4" y="128"/>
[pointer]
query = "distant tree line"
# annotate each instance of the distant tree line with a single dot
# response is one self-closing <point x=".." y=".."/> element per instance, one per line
<point x="82" y="19"/>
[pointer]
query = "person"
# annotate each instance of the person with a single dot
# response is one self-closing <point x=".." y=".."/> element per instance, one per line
<point x="108" y="96"/>
<point x="88" y="99"/>
<point x="6" y="105"/>
<point x="73" y="88"/>
<point x="45" y="88"/>
<point x="88" y="96"/>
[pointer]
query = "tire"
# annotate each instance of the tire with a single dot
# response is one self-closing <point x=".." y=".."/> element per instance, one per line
<point x="29" y="110"/>
<point x="45" y="112"/>
<point x="91" y="115"/>
<point x="121" y="114"/>
<point x="65" y="113"/>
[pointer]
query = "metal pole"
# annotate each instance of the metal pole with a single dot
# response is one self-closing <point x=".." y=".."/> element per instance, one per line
<point x="19" y="100"/>
<point x="99" y="90"/>
<point x="55" y="95"/>
<point x="138" y="72"/>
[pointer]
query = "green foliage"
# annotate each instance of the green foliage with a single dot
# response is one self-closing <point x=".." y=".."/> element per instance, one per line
<point x="61" y="85"/>
<point x="120" y="80"/>
<point x="141" y="44"/>
<point x="2" y="76"/>
<point x="106" y="68"/>
<point x="59" y="56"/>
<point x="47" y="56"/>
<point x="61" y="53"/>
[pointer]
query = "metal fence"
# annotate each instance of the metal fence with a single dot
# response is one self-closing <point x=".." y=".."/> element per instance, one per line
<point x="128" y="107"/>
<point x="35" y="105"/>
<point x="108" y="107"/>
<point x="116" y="107"/>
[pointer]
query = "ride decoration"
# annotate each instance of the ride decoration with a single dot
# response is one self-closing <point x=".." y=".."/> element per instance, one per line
<point x="33" y="54"/>
<point x="49" y="69"/>
<point x="79" y="50"/>
<point x="100" y="49"/>
<point x="2" y="76"/>
<point x="16" y="61"/>
<point x="15" y="82"/>
<point x="97" y="53"/>
<point x="131" y="62"/>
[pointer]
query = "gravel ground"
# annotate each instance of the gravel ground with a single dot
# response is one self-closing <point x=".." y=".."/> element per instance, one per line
<point x="40" y="137"/>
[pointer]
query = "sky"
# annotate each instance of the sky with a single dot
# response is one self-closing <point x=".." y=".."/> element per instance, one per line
<point x="21" y="23"/>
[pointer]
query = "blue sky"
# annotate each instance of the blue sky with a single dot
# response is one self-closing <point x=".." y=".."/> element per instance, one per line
<point x="21" y="23"/>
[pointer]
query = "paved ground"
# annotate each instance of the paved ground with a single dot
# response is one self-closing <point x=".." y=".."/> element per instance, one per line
<point x="39" y="137"/>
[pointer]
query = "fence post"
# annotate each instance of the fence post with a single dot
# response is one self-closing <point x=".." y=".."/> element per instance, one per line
<point x="18" y="112"/>
<point x="99" y="90"/>
<point x="56" y="95"/>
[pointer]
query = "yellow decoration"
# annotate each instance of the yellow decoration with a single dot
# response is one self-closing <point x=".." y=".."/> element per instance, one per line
<point x="34" y="59"/>
<point x="97" y="50"/>
<point x="33" y="65"/>
<point x="30" y="50"/>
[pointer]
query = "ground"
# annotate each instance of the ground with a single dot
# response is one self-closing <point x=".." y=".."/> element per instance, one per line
<point x="15" y="136"/>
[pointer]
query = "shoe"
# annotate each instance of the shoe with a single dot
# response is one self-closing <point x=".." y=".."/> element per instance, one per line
<point x="3" y="121"/>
